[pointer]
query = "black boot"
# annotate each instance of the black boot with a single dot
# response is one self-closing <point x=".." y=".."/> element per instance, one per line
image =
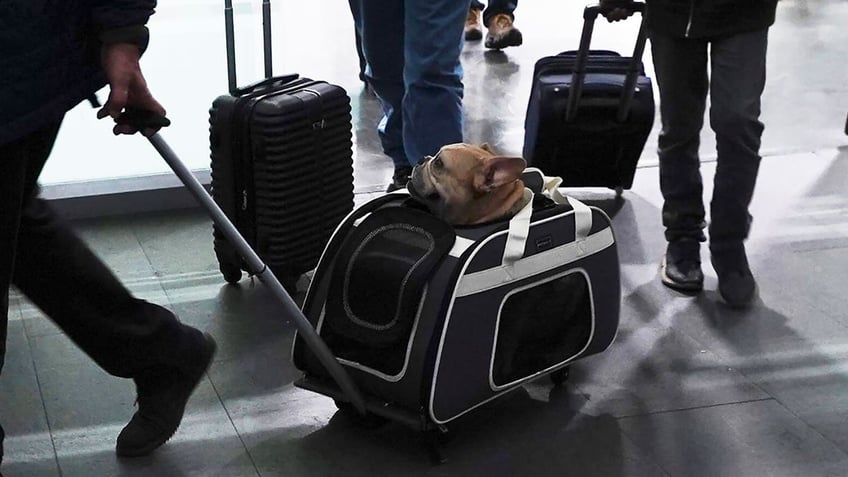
<point x="736" y="283"/>
<point x="399" y="178"/>
<point x="162" y="397"/>
<point x="681" y="265"/>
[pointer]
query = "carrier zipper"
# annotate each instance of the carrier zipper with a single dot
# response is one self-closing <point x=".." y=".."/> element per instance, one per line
<point x="691" y="14"/>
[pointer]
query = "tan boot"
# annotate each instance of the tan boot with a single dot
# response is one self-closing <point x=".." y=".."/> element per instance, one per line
<point x="502" y="33"/>
<point x="473" y="26"/>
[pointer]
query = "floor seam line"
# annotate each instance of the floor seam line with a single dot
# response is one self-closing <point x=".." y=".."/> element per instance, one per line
<point x="44" y="406"/>
<point x="692" y="408"/>
<point x="232" y="423"/>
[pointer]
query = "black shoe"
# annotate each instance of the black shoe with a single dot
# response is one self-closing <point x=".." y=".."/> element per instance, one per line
<point x="399" y="178"/>
<point x="736" y="283"/>
<point x="681" y="265"/>
<point x="502" y="33"/>
<point x="162" y="397"/>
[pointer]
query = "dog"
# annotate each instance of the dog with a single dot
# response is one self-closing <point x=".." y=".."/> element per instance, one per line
<point x="466" y="184"/>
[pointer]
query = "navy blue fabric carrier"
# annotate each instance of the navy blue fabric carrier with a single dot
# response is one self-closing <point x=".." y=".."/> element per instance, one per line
<point x="432" y="321"/>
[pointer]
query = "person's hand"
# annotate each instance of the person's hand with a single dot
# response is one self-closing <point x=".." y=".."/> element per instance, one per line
<point x="612" y="10"/>
<point x="127" y="87"/>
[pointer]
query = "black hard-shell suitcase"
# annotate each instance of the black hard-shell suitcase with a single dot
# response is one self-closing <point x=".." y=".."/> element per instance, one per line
<point x="282" y="165"/>
<point x="432" y="321"/>
<point x="590" y="113"/>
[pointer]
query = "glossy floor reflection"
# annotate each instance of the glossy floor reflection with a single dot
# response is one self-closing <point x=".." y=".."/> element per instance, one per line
<point x="689" y="388"/>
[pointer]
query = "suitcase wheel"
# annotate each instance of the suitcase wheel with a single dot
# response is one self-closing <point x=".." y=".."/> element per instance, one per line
<point x="231" y="273"/>
<point x="368" y="421"/>
<point x="560" y="376"/>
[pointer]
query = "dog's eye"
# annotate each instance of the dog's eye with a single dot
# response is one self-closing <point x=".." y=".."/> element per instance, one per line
<point x="437" y="163"/>
<point x="433" y="196"/>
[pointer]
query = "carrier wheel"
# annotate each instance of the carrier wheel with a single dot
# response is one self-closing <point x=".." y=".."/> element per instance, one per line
<point x="560" y="376"/>
<point x="434" y="442"/>
<point x="231" y="273"/>
<point x="368" y="421"/>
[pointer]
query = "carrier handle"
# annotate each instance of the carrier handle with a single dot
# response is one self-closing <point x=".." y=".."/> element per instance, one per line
<point x="519" y="225"/>
<point x="229" y="28"/>
<point x="578" y="76"/>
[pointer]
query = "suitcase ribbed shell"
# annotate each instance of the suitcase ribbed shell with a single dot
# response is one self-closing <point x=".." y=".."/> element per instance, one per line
<point x="282" y="167"/>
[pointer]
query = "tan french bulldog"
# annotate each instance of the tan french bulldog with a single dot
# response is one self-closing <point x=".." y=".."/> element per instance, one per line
<point x="466" y="184"/>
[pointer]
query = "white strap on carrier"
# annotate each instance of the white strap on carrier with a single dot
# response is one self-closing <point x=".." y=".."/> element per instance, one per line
<point x="519" y="225"/>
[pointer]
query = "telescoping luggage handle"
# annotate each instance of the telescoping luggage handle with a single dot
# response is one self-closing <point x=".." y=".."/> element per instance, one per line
<point x="142" y="120"/>
<point x="231" y="49"/>
<point x="590" y="14"/>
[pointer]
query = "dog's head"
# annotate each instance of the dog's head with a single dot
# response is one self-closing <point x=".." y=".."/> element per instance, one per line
<point x="467" y="184"/>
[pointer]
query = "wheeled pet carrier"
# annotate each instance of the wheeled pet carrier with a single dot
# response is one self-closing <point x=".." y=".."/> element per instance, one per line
<point x="432" y="321"/>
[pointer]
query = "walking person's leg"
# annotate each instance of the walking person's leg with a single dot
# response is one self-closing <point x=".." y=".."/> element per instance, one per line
<point x="381" y="29"/>
<point x="738" y="79"/>
<point x="432" y="106"/>
<point x="127" y="337"/>
<point x="13" y="187"/>
<point x="354" y="9"/>
<point x="681" y="73"/>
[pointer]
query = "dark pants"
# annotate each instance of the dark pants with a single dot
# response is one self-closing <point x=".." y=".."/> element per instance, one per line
<point x="47" y="262"/>
<point x="738" y="65"/>
<point x="354" y="9"/>
<point x="495" y="7"/>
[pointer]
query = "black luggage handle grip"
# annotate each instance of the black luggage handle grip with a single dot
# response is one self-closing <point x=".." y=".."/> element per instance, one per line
<point x="142" y="119"/>
<point x="591" y="12"/>
<point x="264" y="83"/>
<point x="578" y="76"/>
<point x="229" y="28"/>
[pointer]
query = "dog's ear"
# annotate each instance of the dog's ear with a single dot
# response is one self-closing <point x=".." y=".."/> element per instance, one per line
<point x="486" y="147"/>
<point x="500" y="170"/>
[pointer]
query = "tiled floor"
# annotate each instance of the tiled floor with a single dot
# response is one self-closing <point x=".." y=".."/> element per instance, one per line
<point x="689" y="388"/>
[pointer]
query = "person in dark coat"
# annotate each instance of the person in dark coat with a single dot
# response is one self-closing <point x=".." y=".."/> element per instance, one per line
<point x="732" y="36"/>
<point x="54" y="54"/>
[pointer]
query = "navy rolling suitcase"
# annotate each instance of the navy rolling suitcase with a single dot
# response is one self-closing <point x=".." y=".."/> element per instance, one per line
<point x="282" y="165"/>
<point x="590" y="112"/>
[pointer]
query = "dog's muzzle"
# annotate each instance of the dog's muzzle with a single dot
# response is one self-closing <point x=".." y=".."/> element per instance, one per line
<point x="417" y="185"/>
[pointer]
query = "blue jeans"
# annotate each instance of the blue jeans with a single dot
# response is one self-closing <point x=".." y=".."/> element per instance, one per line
<point x="738" y="65"/>
<point x="412" y="48"/>
<point x="495" y="7"/>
